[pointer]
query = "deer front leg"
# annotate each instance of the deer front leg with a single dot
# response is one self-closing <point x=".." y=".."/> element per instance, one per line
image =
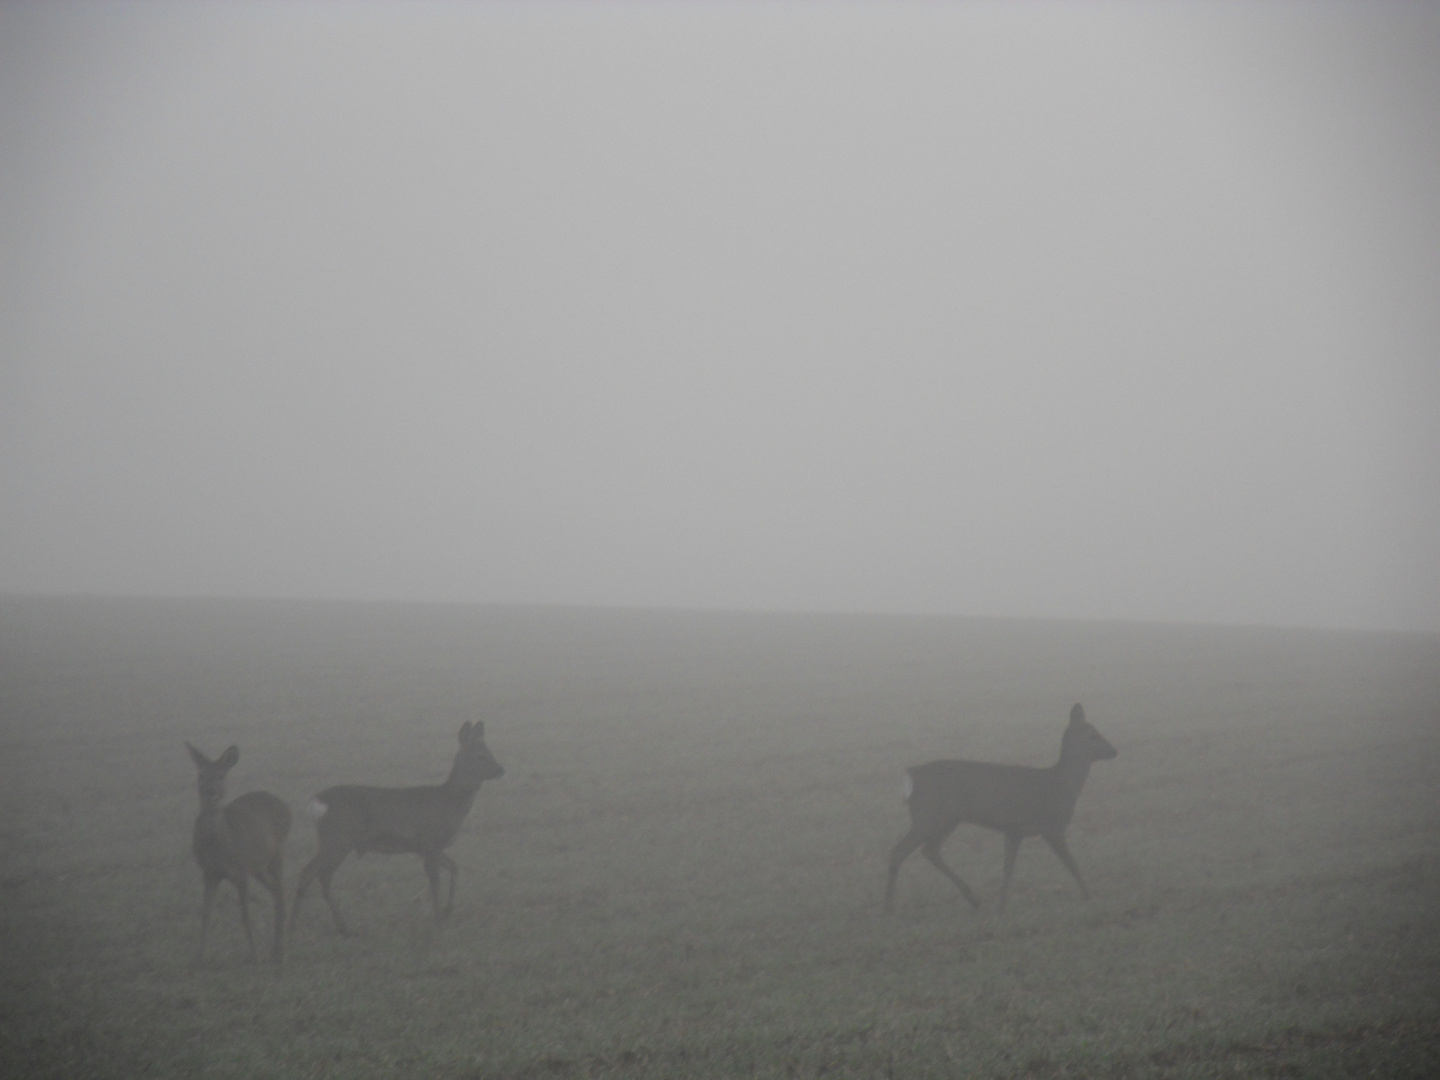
<point x="242" y="886"/>
<point x="432" y="874"/>
<point x="274" y="881"/>
<point x="1062" y="849"/>
<point x="212" y="885"/>
<point x="449" y="864"/>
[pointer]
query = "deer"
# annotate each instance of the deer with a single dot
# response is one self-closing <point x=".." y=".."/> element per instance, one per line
<point x="422" y="820"/>
<point x="1015" y="800"/>
<point x="238" y="841"/>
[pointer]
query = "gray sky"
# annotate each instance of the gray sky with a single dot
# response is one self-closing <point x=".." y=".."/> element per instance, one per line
<point x="1036" y="309"/>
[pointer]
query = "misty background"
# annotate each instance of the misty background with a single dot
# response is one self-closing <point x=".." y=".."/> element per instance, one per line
<point x="1102" y="311"/>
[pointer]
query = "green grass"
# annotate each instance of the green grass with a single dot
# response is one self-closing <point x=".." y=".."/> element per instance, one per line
<point x="681" y="872"/>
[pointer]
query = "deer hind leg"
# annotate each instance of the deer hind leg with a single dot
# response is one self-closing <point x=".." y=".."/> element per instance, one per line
<point x="323" y="866"/>
<point x="1062" y="849"/>
<point x="325" y="876"/>
<point x="307" y="876"/>
<point x="212" y="886"/>
<point x="902" y="850"/>
<point x="273" y="879"/>
<point x="931" y="851"/>
<point x="1012" y="848"/>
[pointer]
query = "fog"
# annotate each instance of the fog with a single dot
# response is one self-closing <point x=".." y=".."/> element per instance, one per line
<point x="1100" y="311"/>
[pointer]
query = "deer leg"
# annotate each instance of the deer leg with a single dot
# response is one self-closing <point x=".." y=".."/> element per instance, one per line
<point x="1062" y="849"/>
<point x="325" y="876"/>
<point x="242" y="886"/>
<point x="931" y="851"/>
<point x="212" y="885"/>
<point x="307" y="876"/>
<point x="323" y="866"/>
<point x="1012" y="848"/>
<point x="274" y="880"/>
<point x="902" y="850"/>
<point x="432" y="874"/>
<point x="449" y="864"/>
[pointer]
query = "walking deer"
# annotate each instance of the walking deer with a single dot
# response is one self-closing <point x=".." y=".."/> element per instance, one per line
<point x="237" y="842"/>
<point x="423" y="820"/>
<point x="1016" y="800"/>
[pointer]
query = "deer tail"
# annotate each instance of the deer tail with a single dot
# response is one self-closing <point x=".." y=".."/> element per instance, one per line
<point x="316" y="809"/>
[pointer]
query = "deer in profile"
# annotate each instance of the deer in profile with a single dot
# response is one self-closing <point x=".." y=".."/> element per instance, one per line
<point x="1015" y="800"/>
<point x="236" y="842"/>
<point x="422" y="820"/>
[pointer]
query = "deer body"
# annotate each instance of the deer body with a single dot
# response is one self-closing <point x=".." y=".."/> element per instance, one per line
<point x="236" y="842"/>
<point x="422" y="820"/>
<point x="1017" y="801"/>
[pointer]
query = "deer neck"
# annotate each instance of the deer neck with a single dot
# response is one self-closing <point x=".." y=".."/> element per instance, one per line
<point x="1072" y="773"/>
<point x="459" y="786"/>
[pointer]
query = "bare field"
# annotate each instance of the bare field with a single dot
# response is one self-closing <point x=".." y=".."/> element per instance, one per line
<point x="681" y="872"/>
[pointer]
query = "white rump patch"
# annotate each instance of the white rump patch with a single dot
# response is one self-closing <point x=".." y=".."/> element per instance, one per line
<point x="907" y="787"/>
<point x="316" y="808"/>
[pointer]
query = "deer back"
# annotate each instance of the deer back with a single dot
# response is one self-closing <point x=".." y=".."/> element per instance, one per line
<point x="1005" y="797"/>
<point x="425" y="818"/>
<point x="390" y="819"/>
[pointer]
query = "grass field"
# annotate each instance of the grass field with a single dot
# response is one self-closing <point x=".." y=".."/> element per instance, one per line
<point x="681" y="872"/>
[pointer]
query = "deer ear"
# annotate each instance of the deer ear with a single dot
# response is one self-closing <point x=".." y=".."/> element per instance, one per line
<point x="479" y="732"/>
<point x="1077" y="714"/>
<point x="465" y="733"/>
<point x="196" y="756"/>
<point x="229" y="757"/>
